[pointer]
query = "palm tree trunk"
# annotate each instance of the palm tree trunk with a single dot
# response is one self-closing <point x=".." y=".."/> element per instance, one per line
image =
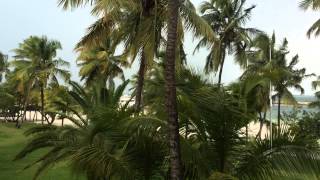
<point x="30" y="117"/>
<point x="25" y="107"/>
<point x="42" y="104"/>
<point x="34" y="115"/>
<point x="170" y="92"/>
<point x="279" y="113"/>
<point x="141" y="73"/>
<point x="261" y="120"/>
<point x="221" y="68"/>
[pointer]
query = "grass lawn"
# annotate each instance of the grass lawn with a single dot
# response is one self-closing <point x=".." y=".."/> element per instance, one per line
<point x="12" y="141"/>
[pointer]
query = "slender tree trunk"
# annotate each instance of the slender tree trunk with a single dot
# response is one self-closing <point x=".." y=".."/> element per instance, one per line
<point x="141" y="74"/>
<point x="30" y="116"/>
<point x="279" y="113"/>
<point x="34" y="115"/>
<point x="221" y="69"/>
<point x="24" y="108"/>
<point x="261" y="126"/>
<point x="170" y="92"/>
<point x="42" y="104"/>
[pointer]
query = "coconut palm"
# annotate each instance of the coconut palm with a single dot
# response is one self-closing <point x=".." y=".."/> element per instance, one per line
<point x="313" y="5"/>
<point x="139" y="27"/>
<point x="105" y="143"/>
<point x="208" y="118"/>
<point x="191" y="21"/>
<point x="227" y="19"/>
<point x="268" y="66"/>
<point x="36" y="64"/>
<point x="291" y="79"/>
<point x="170" y="90"/>
<point x="99" y="64"/>
<point x="258" y="75"/>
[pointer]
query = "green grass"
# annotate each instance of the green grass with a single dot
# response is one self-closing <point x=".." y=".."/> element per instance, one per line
<point x="12" y="140"/>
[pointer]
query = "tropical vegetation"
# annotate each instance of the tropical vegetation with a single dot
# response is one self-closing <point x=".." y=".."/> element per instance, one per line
<point x="169" y="121"/>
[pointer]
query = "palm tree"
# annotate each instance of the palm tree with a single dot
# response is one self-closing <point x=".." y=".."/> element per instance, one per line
<point x="267" y="64"/>
<point x="36" y="64"/>
<point x="227" y="19"/>
<point x="289" y="159"/>
<point x="192" y="22"/>
<point x="315" y="85"/>
<point x="170" y="91"/>
<point x="100" y="64"/>
<point x="313" y="5"/>
<point x="138" y="25"/>
<point x="291" y="79"/>
<point x="106" y="143"/>
<point x="4" y="65"/>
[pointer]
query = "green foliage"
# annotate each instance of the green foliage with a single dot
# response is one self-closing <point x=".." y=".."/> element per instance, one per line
<point x="221" y="176"/>
<point x="99" y="64"/>
<point x="108" y="139"/>
<point x="305" y="127"/>
<point x="313" y="5"/>
<point x="227" y="19"/>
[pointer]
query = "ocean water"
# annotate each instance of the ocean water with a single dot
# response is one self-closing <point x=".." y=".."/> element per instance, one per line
<point x="289" y="109"/>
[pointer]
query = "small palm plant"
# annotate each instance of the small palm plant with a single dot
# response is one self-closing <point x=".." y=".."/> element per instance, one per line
<point x="105" y="141"/>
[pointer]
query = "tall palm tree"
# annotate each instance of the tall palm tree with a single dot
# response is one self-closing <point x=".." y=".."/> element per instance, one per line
<point x="170" y="89"/>
<point x="138" y="25"/>
<point x="191" y="21"/>
<point x="4" y="65"/>
<point x="36" y="64"/>
<point x="263" y="69"/>
<point x="291" y="79"/>
<point x="313" y="5"/>
<point x="227" y="19"/>
<point x="209" y="118"/>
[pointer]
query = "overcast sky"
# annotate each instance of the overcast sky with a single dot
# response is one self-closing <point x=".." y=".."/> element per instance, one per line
<point x="20" y="19"/>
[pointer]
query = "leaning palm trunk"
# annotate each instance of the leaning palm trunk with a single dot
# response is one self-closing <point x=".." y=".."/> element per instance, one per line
<point x="261" y="119"/>
<point x="170" y="92"/>
<point x="141" y="74"/>
<point x="221" y="69"/>
<point x="42" y="105"/>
